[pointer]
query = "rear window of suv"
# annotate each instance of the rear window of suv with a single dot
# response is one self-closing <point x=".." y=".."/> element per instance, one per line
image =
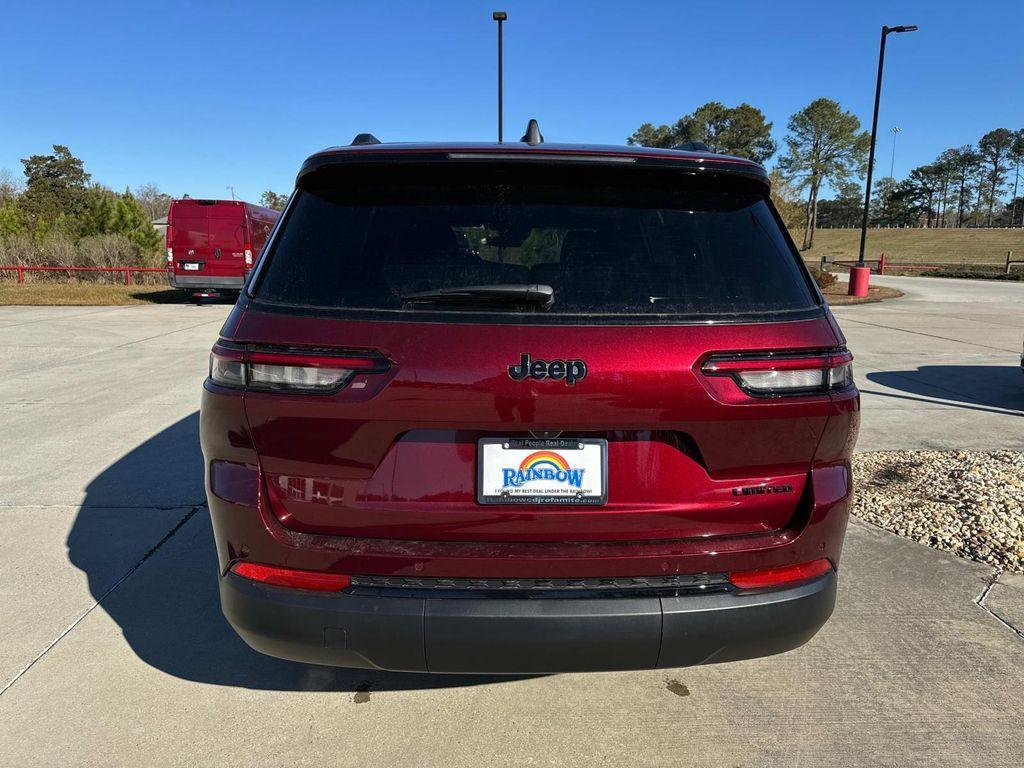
<point x="609" y="242"/>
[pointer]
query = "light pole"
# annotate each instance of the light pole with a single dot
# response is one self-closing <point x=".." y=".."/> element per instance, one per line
<point x="232" y="190"/>
<point x="499" y="16"/>
<point x="871" y="154"/>
<point x="892" y="163"/>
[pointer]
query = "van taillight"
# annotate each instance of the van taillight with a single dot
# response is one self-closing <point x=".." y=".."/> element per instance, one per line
<point x="289" y="370"/>
<point x="170" y="249"/>
<point x="248" y="255"/>
<point x="790" y="373"/>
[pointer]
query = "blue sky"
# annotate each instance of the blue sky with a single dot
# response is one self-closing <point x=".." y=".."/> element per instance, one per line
<point x="196" y="96"/>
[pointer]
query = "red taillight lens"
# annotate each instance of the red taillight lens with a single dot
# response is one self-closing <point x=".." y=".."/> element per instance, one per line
<point x="248" y="255"/>
<point x="170" y="249"/>
<point x="312" y="371"/>
<point x="785" y="373"/>
<point x="290" y="577"/>
<point x="776" y="577"/>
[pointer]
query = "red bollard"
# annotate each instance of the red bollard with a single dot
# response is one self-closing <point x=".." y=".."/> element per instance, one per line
<point x="859" y="277"/>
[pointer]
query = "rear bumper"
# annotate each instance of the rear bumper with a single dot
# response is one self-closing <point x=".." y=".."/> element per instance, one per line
<point x="199" y="281"/>
<point x="524" y="636"/>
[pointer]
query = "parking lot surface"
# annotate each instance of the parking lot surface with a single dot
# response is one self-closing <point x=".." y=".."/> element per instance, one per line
<point x="939" y="368"/>
<point x="114" y="651"/>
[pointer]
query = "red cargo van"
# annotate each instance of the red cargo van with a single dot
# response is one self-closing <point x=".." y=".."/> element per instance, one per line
<point x="212" y="244"/>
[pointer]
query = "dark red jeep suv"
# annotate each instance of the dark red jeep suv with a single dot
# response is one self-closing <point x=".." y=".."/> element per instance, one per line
<point x="528" y="408"/>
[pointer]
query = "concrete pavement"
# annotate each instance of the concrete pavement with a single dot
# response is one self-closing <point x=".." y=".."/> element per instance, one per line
<point x="939" y="368"/>
<point x="114" y="650"/>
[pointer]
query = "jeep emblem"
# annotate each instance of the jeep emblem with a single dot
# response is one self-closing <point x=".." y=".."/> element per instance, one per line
<point x="569" y="370"/>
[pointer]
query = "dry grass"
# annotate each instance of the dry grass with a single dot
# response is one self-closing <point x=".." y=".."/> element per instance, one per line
<point x="85" y="294"/>
<point x="919" y="246"/>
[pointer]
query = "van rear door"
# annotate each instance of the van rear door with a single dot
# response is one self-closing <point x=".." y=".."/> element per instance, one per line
<point x="227" y="230"/>
<point x="208" y="238"/>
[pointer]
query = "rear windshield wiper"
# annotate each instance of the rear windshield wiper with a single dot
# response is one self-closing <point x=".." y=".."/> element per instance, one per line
<point x="542" y="296"/>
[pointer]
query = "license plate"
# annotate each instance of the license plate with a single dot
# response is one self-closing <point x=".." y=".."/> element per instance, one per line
<point x="190" y="266"/>
<point x="528" y="471"/>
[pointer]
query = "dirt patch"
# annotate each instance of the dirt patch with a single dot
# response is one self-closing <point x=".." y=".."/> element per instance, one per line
<point x="837" y="296"/>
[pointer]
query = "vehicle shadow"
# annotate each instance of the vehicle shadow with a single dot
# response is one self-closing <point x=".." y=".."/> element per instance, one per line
<point x="975" y="387"/>
<point x="167" y="606"/>
<point x="175" y="296"/>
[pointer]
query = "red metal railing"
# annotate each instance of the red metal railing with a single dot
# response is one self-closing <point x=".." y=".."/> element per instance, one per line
<point x="876" y="265"/>
<point x="126" y="271"/>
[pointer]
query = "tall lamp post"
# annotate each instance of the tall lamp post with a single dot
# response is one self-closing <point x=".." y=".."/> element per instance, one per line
<point x="499" y="16"/>
<point x="859" y="279"/>
<point x="895" y="131"/>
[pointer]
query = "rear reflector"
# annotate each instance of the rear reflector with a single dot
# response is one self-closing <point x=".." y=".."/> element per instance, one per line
<point x="234" y="482"/>
<point x="288" y="370"/>
<point x="776" y="577"/>
<point x="797" y="373"/>
<point x="289" y="577"/>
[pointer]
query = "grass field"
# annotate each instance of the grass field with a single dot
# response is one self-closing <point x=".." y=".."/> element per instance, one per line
<point x="85" y="294"/>
<point x="919" y="246"/>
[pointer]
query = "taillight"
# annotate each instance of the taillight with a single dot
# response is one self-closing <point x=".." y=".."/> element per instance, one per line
<point x="776" y="577"/>
<point x="227" y="366"/>
<point x="248" y="255"/>
<point x="170" y="250"/>
<point x="794" y="373"/>
<point x="292" y="577"/>
<point x="313" y="371"/>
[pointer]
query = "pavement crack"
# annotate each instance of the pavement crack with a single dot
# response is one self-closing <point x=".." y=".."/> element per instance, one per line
<point x="149" y="553"/>
<point x="922" y="333"/>
<point x="169" y="333"/>
<point x="990" y="582"/>
<point x="162" y="508"/>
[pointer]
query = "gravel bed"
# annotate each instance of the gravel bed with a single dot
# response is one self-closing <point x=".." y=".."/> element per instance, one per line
<point x="970" y="503"/>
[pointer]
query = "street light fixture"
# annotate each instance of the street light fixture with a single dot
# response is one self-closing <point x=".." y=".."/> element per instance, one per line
<point x="895" y="130"/>
<point x="499" y="16"/>
<point x="871" y="155"/>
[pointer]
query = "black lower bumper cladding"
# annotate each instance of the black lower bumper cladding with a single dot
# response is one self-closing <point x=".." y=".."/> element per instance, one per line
<point x="522" y="635"/>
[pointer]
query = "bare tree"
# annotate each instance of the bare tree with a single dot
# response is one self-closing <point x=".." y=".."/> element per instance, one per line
<point x="10" y="185"/>
<point x="154" y="202"/>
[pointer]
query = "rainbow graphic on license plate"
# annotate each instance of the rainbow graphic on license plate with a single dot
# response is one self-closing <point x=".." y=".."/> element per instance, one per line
<point x="542" y="465"/>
